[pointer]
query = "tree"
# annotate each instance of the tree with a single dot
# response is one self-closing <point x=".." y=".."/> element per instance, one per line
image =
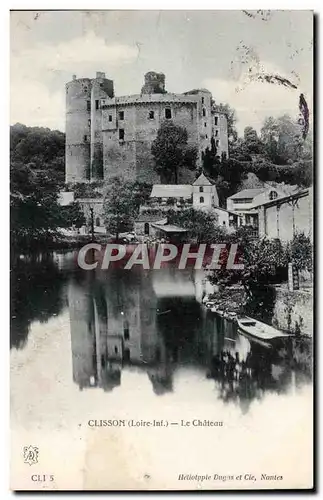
<point x="201" y="225"/>
<point x="282" y="139"/>
<point x="300" y="252"/>
<point x="172" y="152"/>
<point x="41" y="148"/>
<point x="121" y="204"/>
<point x="263" y="261"/>
<point x="34" y="209"/>
<point x="72" y="215"/>
<point x="252" y="142"/>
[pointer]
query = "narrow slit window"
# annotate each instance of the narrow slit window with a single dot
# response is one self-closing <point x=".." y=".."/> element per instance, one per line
<point x="97" y="104"/>
<point x="204" y="112"/>
<point x="216" y="120"/>
<point x="121" y="134"/>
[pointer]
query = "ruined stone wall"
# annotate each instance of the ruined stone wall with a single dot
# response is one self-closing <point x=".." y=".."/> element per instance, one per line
<point x="294" y="308"/>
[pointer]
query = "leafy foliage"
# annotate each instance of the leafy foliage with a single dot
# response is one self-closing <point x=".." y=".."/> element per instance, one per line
<point x="202" y="226"/>
<point x="40" y="148"/>
<point x="172" y="152"/>
<point x="264" y="261"/>
<point x="122" y="201"/>
<point x="300" y="251"/>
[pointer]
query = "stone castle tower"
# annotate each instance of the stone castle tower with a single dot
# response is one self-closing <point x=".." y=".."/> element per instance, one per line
<point x="108" y="136"/>
<point x="83" y="127"/>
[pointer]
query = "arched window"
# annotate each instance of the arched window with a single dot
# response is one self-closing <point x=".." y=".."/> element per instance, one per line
<point x="146" y="228"/>
<point x="273" y="195"/>
<point x="201" y="199"/>
<point x="97" y="221"/>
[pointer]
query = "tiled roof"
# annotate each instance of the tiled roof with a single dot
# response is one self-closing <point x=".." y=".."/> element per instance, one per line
<point x="171" y="191"/>
<point x="202" y="180"/>
<point x="248" y="193"/>
<point x="147" y="217"/>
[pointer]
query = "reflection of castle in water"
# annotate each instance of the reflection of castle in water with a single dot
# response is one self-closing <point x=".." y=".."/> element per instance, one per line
<point x="120" y="318"/>
<point x="151" y="319"/>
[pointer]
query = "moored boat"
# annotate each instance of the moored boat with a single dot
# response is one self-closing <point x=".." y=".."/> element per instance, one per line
<point x="260" y="332"/>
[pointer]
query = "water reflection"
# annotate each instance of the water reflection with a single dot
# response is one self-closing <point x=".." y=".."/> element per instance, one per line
<point x="151" y="320"/>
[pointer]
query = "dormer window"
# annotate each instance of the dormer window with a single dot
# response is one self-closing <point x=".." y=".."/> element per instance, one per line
<point x="273" y="195"/>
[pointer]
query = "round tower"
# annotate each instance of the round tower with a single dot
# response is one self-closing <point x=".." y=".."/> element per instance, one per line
<point x="154" y="83"/>
<point x="101" y="88"/>
<point x="78" y="130"/>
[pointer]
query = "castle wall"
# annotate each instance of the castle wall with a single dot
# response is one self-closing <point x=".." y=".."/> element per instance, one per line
<point x="101" y="87"/>
<point x="107" y="136"/>
<point x="78" y="130"/>
<point x="132" y="156"/>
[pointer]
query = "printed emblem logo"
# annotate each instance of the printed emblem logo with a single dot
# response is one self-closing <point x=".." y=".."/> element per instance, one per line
<point x="30" y="455"/>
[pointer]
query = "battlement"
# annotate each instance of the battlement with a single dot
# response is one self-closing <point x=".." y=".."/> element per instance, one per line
<point x="149" y="99"/>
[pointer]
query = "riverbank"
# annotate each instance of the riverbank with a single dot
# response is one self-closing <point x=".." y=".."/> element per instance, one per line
<point x="288" y="311"/>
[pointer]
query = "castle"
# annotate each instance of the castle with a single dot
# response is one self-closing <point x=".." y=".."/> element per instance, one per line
<point x="108" y="136"/>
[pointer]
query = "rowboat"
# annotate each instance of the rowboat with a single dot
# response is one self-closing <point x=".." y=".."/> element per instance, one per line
<point x="263" y="334"/>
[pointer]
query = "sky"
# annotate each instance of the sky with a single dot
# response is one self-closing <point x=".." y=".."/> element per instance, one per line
<point x="227" y="52"/>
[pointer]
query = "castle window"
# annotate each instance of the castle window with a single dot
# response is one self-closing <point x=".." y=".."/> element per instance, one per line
<point x="101" y="85"/>
<point x="85" y="138"/>
<point x="216" y="120"/>
<point x="204" y="112"/>
<point x="85" y="89"/>
<point x="126" y="355"/>
<point x="201" y="199"/>
<point x="201" y="189"/>
<point x="205" y="136"/>
<point x="217" y="143"/>
<point x="110" y="118"/>
<point x="151" y="115"/>
<point x="97" y="221"/>
<point x="88" y="105"/>
<point x="121" y="134"/>
<point x="89" y="123"/>
<point x="202" y="100"/>
<point x="168" y="113"/>
<point x="116" y="350"/>
<point x="121" y="115"/>
<point x="126" y="332"/>
<point x="216" y="133"/>
<point x="97" y="104"/>
<point x="223" y="222"/>
<point x="204" y="124"/>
